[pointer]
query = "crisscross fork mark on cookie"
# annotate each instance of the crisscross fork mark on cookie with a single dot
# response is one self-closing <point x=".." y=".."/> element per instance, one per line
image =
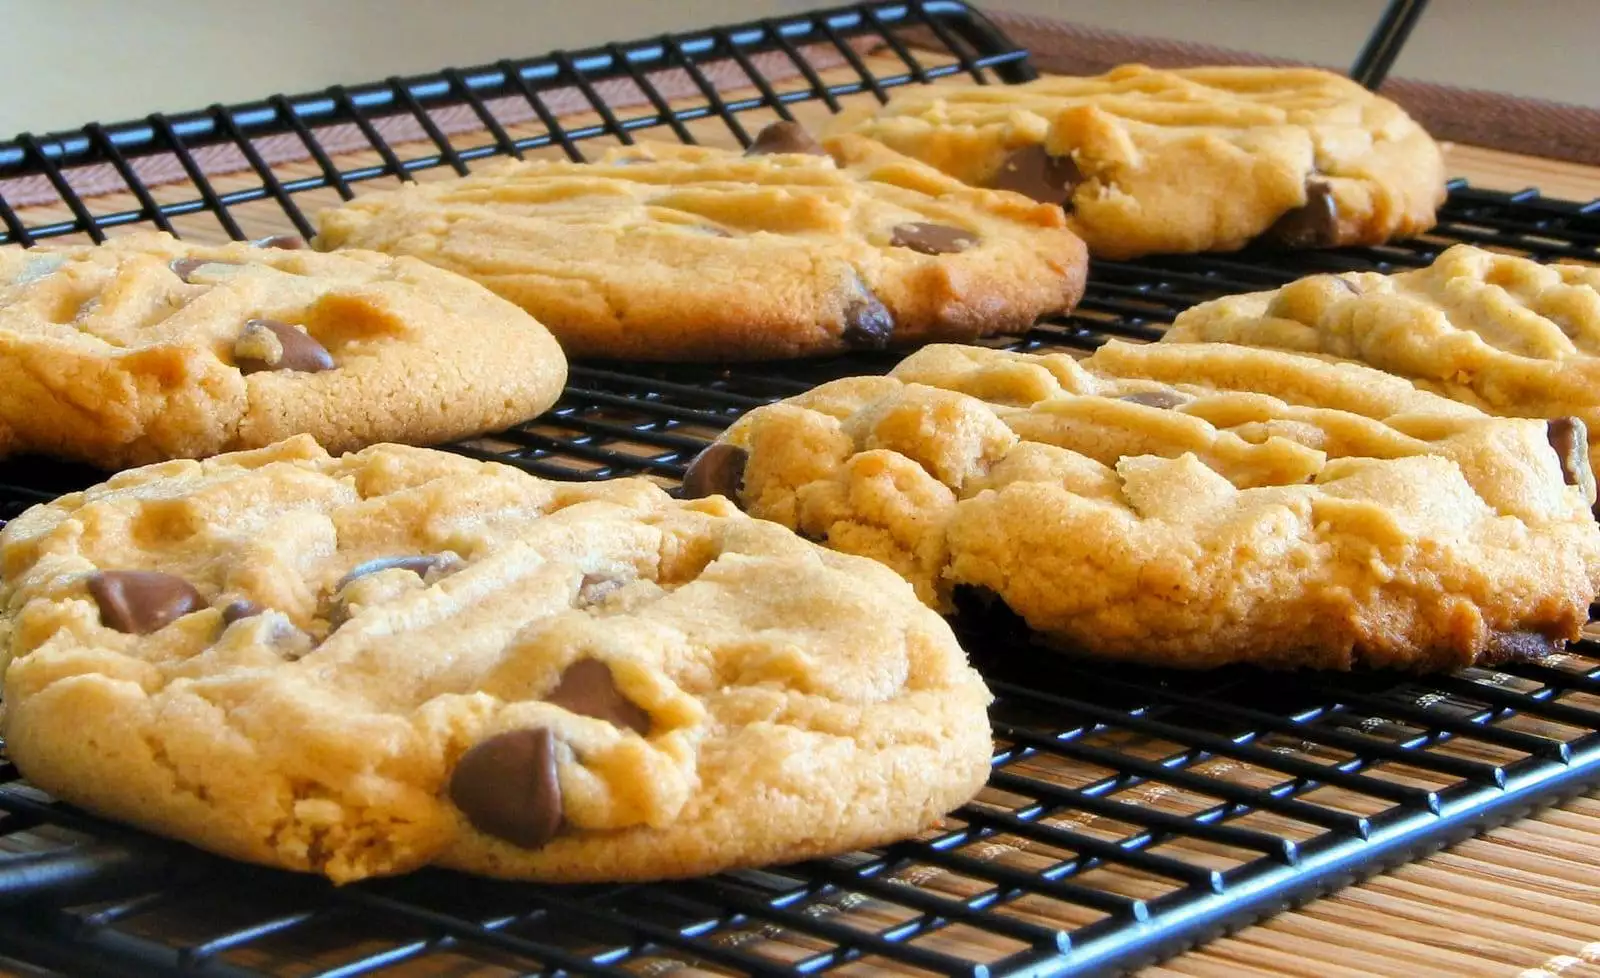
<point x="1505" y="334"/>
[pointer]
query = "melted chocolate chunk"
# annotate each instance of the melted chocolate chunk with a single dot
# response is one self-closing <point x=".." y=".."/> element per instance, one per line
<point x="1519" y="646"/>
<point x="717" y="471"/>
<point x="587" y="688"/>
<point x="284" y="242"/>
<point x="240" y="610"/>
<point x="932" y="239"/>
<point x="422" y="566"/>
<point x="868" y="324"/>
<point x="507" y="787"/>
<point x="1570" y="438"/>
<point x="185" y="267"/>
<point x="1033" y="172"/>
<point x="141" y="602"/>
<point x="784" y="137"/>
<point x="1314" y="224"/>
<point x="300" y="351"/>
<point x="1156" y="399"/>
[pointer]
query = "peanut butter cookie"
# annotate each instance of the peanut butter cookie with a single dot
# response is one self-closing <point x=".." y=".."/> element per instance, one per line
<point x="360" y="665"/>
<point x="1197" y="159"/>
<point x="1187" y="505"/>
<point x="669" y="252"/>
<point x="149" y="348"/>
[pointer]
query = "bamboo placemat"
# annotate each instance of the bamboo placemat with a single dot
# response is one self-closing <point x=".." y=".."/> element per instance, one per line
<point x="1521" y="901"/>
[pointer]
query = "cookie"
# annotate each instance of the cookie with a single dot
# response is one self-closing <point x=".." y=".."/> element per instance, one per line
<point x="668" y="252"/>
<point x="1197" y="159"/>
<point x="1507" y="335"/>
<point x="1187" y="505"/>
<point x="361" y="665"/>
<point x="148" y="348"/>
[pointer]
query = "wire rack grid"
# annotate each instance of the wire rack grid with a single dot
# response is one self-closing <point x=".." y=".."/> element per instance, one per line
<point x="1131" y="812"/>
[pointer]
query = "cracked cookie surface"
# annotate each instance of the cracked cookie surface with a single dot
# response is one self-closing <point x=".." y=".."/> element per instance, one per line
<point x="1187" y="505"/>
<point x="1505" y="334"/>
<point x="670" y="252"/>
<point x="360" y="665"/>
<point x="148" y="348"/>
<point x="1197" y="159"/>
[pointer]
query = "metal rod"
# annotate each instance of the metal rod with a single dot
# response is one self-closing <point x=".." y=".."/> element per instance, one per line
<point x="1386" y="41"/>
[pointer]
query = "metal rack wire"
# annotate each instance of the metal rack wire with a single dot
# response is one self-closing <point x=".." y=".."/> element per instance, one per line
<point x="1130" y="813"/>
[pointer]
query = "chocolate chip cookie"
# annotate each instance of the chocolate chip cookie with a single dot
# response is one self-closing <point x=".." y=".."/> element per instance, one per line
<point x="668" y="252"/>
<point x="1187" y="505"/>
<point x="1507" y="335"/>
<point x="148" y="348"/>
<point x="1197" y="159"/>
<point x="360" y="665"/>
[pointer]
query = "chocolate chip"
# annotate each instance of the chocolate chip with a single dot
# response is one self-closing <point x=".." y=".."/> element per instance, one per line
<point x="1570" y="438"/>
<point x="507" y="787"/>
<point x="185" y="267"/>
<point x="784" y="137"/>
<point x="1156" y="399"/>
<point x="932" y="239"/>
<point x="141" y="602"/>
<point x="1314" y="224"/>
<point x="588" y="689"/>
<point x="1518" y="646"/>
<point x="281" y="634"/>
<point x="284" y="242"/>
<point x="295" y="349"/>
<point x="717" y="471"/>
<point x="240" y="610"/>
<point x="594" y="588"/>
<point x="867" y="323"/>
<point x="1033" y="172"/>
<point x="422" y="566"/>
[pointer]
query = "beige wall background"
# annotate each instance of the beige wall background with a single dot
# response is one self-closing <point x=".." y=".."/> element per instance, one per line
<point x="66" y="62"/>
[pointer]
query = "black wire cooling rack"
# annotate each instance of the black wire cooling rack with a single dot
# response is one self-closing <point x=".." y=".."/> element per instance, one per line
<point x="1131" y="812"/>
